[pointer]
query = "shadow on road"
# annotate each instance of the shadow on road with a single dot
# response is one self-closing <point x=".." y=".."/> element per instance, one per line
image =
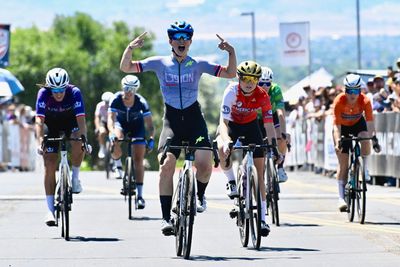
<point x="383" y="223"/>
<point x="286" y="249"/>
<point x="93" y="239"/>
<point x="299" y="225"/>
<point x="211" y="258"/>
<point x="144" y="218"/>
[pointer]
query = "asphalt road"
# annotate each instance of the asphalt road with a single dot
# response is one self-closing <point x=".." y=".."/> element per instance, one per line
<point x="312" y="231"/>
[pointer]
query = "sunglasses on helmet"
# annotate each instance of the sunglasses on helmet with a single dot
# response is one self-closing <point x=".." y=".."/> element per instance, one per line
<point x="181" y="35"/>
<point x="58" y="90"/>
<point x="248" y="79"/>
<point x="264" y="83"/>
<point x="353" y="91"/>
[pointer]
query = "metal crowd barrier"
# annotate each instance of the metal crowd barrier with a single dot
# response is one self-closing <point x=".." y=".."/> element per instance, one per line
<point x="312" y="144"/>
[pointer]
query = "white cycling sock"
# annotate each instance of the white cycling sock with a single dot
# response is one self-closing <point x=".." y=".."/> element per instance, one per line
<point x="117" y="162"/>
<point x="341" y="186"/>
<point x="365" y="159"/>
<point x="263" y="210"/>
<point x="229" y="174"/>
<point x="139" y="190"/>
<point x="75" y="172"/>
<point x="50" y="203"/>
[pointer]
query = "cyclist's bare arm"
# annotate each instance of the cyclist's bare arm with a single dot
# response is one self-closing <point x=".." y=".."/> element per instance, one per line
<point x="126" y="64"/>
<point x="39" y="129"/>
<point x="270" y="129"/>
<point x="81" y="120"/>
<point x="336" y="135"/>
<point x="371" y="128"/>
<point x="223" y="130"/>
<point x="282" y="119"/>
<point x="112" y="116"/>
<point x="97" y="121"/>
<point x="230" y="70"/>
<point x="149" y="126"/>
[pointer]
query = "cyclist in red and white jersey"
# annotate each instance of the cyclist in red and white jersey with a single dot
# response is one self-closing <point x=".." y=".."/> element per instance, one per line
<point x="239" y="118"/>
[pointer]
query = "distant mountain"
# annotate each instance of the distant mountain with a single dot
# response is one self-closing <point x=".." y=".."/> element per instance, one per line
<point x="337" y="55"/>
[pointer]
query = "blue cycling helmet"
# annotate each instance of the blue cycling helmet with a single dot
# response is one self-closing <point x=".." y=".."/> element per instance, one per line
<point x="181" y="27"/>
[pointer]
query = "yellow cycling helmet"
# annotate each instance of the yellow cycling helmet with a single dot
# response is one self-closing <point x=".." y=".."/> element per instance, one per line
<point x="249" y="68"/>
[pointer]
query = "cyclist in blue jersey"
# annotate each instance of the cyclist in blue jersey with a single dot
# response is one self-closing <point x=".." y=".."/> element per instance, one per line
<point x="130" y="113"/>
<point x="179" y="75"/>
<point x="59" y="106"/>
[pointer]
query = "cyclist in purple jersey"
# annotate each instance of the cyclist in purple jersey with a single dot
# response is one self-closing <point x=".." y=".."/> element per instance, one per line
<point x="59" y="106"/>
<point x="179" y="76"/>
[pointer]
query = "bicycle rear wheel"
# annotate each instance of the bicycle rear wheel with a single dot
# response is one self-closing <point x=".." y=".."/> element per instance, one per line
<point x="275" y="199"/>
<point x="108" y="160"/>
<point x="361" y="192"/>
<point x="241" y="220"/>
<point x="255" y="208"/>
<point x="190" y="213"/>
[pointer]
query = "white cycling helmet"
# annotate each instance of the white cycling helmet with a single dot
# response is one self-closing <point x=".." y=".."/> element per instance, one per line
<point x="267" y="75"/>
<point x="57" y="77"/>
<point x="106" y="96"/>
<point x="353" y="81"/>
<point x="130" y="82"/>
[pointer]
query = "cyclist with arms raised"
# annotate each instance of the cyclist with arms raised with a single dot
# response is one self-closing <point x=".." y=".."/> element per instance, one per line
<point x="352" y="116"/>
<point x="278" y="110"/>
<point x="100" y="122"/>
<point x="239" y="118"/>
<point x="59" y="106"/>
<point x="130" y="113"/>
<point x="179" y="76"/>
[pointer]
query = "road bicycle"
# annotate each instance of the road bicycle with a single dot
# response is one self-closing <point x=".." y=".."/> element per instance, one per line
<point x="184" y="198"/>
<point x="63" y="198"/>
<point x="129" y="180"/>
<point x="248" y="213"/>
<point x="356" y="187"/>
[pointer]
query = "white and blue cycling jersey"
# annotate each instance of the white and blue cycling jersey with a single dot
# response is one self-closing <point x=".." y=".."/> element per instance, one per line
<point x="179" y="82"/>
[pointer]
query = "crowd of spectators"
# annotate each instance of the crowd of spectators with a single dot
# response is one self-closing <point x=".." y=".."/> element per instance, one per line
<point x="12" y="113"/>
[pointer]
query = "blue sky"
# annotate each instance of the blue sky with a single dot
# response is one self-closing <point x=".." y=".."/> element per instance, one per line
<point x="327" y="17"/>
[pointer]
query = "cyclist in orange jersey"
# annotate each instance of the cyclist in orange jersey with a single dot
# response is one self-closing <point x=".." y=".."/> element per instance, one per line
<point x="352" y="116"/>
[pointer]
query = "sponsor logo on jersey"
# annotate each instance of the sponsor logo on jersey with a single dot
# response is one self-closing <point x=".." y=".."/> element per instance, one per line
<point x="239" y="104"/>
<point x="42" y="104"/>
<point x="185" y="78"/>
<point x="189" y="63"/>
<point x="78" y="104"/>
<point x="199" y="139"/>
<point x="270" y="112"/>
<point x="226" y="109"/>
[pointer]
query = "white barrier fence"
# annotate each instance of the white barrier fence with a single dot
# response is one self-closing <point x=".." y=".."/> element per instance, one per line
<point x="17" y="146"/>
<point x="312" y="143"/>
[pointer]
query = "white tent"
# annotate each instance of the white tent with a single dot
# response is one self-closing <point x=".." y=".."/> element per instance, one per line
<point x="316" y="79"/>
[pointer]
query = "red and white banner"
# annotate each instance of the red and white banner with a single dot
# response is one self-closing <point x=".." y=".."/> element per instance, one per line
<point x="295" y="50"/>
<point x="4" y="45"/>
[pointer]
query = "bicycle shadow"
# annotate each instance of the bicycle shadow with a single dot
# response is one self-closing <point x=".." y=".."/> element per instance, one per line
<point x="93" y="239"/>
<point x="383" y="223"/>
<point x="299" y="225"/>
<point x="221" y="259"/>
<point x="283" y="249"/>
<point x="144" y="218"/>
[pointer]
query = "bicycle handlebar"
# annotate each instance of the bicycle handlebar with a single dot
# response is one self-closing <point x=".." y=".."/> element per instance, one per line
<point x="65" y="138"/>
<point x="168" y="146"/>
<point x="249" y="147"/>
<point x="375" y="142"/>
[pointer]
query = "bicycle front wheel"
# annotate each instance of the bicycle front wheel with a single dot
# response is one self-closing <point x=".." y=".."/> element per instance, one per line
<point x="190" y="196"/>
<point x="351" y="194"/>
<point x="241" y="221"/>
<point x="108" y="160"/>
<point x="255" y="208"/>
<point x="65" y="201"/>
<point x="272" y="191"/>
<point x="361" y="191"/>
<point x="128" y="183"/>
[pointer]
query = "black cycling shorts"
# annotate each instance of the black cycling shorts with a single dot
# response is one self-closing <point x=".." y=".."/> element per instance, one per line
<point x="55" y="125"/>
<point x="360" y="126"/>
<point x="251" y="132"/>
<point x="184" y="125"/>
